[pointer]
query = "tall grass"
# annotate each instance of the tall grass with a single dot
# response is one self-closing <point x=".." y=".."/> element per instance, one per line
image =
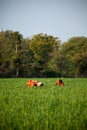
<point x="46" y="108"/>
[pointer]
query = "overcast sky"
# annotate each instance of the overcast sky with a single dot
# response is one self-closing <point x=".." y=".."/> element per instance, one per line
<point x="59" y="18"/>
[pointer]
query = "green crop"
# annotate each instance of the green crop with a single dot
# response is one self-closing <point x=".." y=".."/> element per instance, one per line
<point x="47" y="108"/>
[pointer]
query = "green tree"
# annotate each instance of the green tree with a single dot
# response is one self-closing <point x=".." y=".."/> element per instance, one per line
<point x="17" y="38"/>
<point x="44" y="48"/>
<point x="6" y="52"/>
<point x="80" y="61"/>
<point x="73" y="50"/>
<point x="10" y="45"/>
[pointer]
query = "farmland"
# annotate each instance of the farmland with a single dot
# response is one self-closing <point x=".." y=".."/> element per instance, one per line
<point x="47" y="108"/>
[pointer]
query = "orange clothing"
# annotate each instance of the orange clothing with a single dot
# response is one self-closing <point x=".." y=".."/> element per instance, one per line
<point x="30" y="83"/>
<point x="59" y="83"/>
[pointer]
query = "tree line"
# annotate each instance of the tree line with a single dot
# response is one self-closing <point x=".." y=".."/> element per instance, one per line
<point x="42" y="56"/>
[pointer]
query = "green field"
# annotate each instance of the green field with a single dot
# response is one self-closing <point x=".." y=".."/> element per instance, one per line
<point x="47" y="108"/>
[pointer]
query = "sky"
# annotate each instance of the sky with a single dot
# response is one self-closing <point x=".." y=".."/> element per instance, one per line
<point x="59" y="18"/>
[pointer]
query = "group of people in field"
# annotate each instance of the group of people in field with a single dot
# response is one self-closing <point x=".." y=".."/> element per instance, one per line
<point x="32" y="83"/>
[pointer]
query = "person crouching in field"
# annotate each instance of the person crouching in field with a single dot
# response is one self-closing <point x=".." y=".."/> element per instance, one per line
<point x="59" y="82"/>
<point x="38" y="84"/>
<point x="32" y="83"/>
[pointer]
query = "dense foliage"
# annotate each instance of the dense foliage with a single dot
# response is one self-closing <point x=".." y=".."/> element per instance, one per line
<point x="47" y="108"/>
<point x="42" y="56"/>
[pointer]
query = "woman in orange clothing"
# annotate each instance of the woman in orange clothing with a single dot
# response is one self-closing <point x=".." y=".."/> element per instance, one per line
<point x="59" y="82"/>
<point x="30" y="83"/>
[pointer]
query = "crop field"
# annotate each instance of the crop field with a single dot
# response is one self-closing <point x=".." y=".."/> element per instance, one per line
<point x="43" y="108"/>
